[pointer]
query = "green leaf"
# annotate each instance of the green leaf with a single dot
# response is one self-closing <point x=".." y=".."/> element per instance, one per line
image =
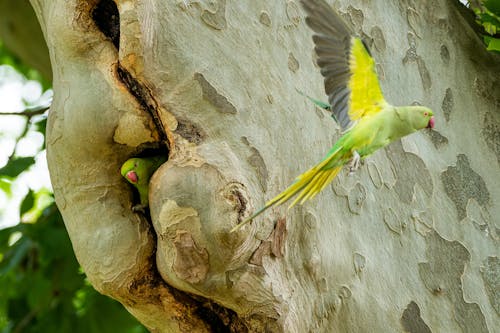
<point x="490" y="22"/>
<point x="15" y="256"/>
<point x="27" y="203"/>
<point x="42" y="199"/>
<point x="493" y="44"/>
<point x="5" y="186"/>
<point x="41" y="126"/>
<point x="16" y="166"/>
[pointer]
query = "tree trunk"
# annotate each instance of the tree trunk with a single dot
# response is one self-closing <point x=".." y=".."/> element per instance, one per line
<point x="408" y="243"/>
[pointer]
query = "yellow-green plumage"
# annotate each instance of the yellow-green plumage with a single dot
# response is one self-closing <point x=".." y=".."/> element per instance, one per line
<point x="357" y="103"/>
<point x="138" y="171"/>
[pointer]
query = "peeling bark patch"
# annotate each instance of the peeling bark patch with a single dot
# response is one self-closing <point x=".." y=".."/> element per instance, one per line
<point x="264" y="249"/>
<point x="233" y="192"/>
<point x="448" y="103"/>
<point x="409" y="170"/>
<point x="412" y="56"/>
<point x="293" y="64"/>
<point x="293" y="12"/>
<point x="423" y="222"/>
<point x="490" y="271"/>
<point x="145" y="99"/>
<point x="491" y="133"/>
<point x="425" y="76"/>
<point x="107" y="18"/>
<point x="445" y="54"/>
<point x="357" y="17"/>
<point x="257" y="162"/>
<point x="345" y="293"/>
<point x="484" y="89"/>
<point x="380" y="71"/>
<point x="378" y="38"/>
<point x="216" y="20"/>
<point x="191" y="263"/>
<point x="359" y="262"/>
<point x="392" y="221"/>
<point x="375" y="175"/>
<point x="265" y="19"/>
<point x="413" y="19"/>
<point x="278" y="237"/>
<point x="210" y="94"/>
<point x="442" y="275"/>
<point x="356" y="198"/>
<point x="461" y="183"/>
<point x="411" y="53"/>
<point x="438" y="140"/>
<point x="411" y="320"/>
<point x="189" y="131"/>
<point x="274" y="245"/>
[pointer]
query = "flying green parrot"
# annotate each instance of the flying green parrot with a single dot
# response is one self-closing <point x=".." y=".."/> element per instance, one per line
<point x="368" y="121"/>
<point x="137" y="171"/>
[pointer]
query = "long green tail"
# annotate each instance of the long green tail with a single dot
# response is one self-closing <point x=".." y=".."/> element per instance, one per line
<point x="309" y="184"/>
<point x="319" y="103"/>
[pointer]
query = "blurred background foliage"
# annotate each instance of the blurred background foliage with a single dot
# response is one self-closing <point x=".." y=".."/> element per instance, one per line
<point x="42" y="287"/>
<point x="488" y="16"/>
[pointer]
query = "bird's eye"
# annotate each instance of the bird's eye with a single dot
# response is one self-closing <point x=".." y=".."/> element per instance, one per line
<point x="426" y="113"/>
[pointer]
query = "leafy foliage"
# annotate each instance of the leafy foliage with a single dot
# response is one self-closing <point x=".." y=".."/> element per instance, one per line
<point x="43" y="289"/>
<point x="488" y="14"/>
<point x="16" y="166"/>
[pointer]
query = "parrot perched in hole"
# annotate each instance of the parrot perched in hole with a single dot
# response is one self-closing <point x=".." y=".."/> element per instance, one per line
<point x="368" y="121"/>
<point x="137" y="171"/>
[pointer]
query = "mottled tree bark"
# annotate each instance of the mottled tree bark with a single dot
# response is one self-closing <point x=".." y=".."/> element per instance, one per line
<point x="408" y="243"/>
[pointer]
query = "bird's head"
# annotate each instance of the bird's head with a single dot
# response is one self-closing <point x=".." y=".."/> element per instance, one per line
<point x="421" y="117"/>
<point x="129" y="171"/>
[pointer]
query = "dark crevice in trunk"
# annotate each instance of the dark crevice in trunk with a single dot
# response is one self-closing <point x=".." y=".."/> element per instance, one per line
<point x="145" y="98"/>
<point x="218" y="318"/>
<point x="106" y="17"/>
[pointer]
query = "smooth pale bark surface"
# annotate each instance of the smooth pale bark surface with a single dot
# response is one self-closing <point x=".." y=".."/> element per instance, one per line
<point x="408" y="243"/>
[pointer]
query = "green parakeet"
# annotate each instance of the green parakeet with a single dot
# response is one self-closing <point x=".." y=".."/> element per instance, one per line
<point x="137" y="171"/>
<point x="351" y="83"/>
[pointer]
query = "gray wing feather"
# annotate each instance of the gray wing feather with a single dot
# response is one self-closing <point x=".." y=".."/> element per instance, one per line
<point x="332" y="41"/>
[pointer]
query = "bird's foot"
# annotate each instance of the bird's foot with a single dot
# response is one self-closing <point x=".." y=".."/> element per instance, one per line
<point x="354" y="163"/>
<point x="139" y="208"/>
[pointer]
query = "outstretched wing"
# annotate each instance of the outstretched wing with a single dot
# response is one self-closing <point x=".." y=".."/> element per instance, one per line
<point x="351" y="81"/>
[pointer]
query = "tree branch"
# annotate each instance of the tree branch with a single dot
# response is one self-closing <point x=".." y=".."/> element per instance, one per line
<point x="31" y="112"/>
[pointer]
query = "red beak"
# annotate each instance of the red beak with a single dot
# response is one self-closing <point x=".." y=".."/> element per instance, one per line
<point x="132" y="176"/>
<point x="431" y="123"/>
